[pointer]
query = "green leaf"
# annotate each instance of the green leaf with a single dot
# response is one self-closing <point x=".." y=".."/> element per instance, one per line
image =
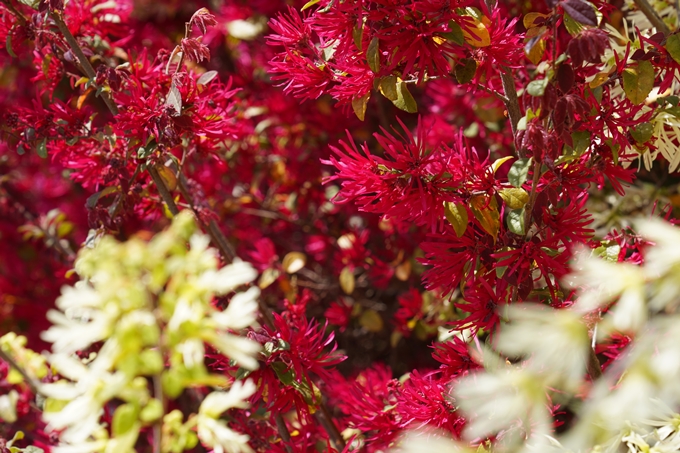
<point x="42" y="148"/>
<point x="93" y="199"/>
<point x="537" y="87"/>
<point x="514" y="198"/>
<point x="152" y="411"/>
<point x="673" y="47"/>
<point x="124" y="418"/>
<point x="455" y="34"/>
<point x="173" y="383"/>
<point x="642" y="132"/>
<point x="465" y="70"/>
<point x="519" y="171"/>
<point x="638" y="81"/>
<point x="359" y="105"/>
<point x="388" y="87"/>
<point x="485" y="209"/>
<point x="404" y="99"/>
<point x="457" y="216"/>
<point x="286" y="375"/>
<point x="572" y="26"/>
<point x="8" y="44"/>
<point x="373" y="55"/>
<point x="581" y="141"/>
<point x="515" y="221"/>
<point x="358" y="35"/>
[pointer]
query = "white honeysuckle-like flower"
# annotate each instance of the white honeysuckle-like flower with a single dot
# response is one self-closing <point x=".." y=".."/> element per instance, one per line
<point x="215" y="433"/>
<point x="428" y="441"/>
<point x="601" y="282"/>
<point x="91" y="388"/>
<point x="228" y="278"/>
<point x="240" y="349"/>
<point x="80" y="320"/>
<point x="496" y="401"/>
<point x="562" y="351"/>
<point x="8" y="406"/>
<point x="95" y="446"/>
<point x="241" y="311"/>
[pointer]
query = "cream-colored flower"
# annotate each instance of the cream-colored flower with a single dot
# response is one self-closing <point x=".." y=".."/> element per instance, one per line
<point x="215" y="433"/>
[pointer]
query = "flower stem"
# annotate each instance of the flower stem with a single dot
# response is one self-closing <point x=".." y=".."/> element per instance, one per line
<point x="652" y="16"/>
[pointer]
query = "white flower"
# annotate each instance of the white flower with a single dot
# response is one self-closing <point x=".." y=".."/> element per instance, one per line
<point x="241" y="312"/>
<point x="601" y="282"/>
<point x="216" y="434"/>
<point x="242" y="350"/>
<point x="428" y="442"/>
<point x="8" y="406"/>
<point x="228" y="278"/>
<point x="497" y="401"/>
<point x="93" y="386"/>
<point x="562" y="350"/>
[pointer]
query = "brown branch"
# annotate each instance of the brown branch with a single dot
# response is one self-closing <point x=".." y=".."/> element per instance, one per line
<point x="283" y="431"/>
<point x="512" y="104"/>
<point x="32" y="384"/>
<point x="652" y="16"/>
<point x="82" y="58"/>
<point x="593" y="366"/>
<point x="327" y="422"/>
<point x="532" y="197"/>
<point x="163" y="190"/>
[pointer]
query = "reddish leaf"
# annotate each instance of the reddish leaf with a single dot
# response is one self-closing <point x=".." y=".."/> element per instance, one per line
<point x="580" y="11"/>
<point x="565" y="77"/>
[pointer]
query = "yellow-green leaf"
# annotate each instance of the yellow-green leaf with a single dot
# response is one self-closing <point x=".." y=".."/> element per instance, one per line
<point x="388" y="88"/>
<point x="124" y="418"/>
<point x="498" y="162"/>
<point x="268" y="277"/>
<point x="404" y="99"/>
<point x="673" y="47"/>
<point x="638" y="81"/>
<point x="477" y="35"/>
<point x="515" y="198"/>
<point x="485" y="210"/>
<point x="293" y="262"/>
<point x="168" y="176"/>
<point x="530" y="18"/>
<point x="309" y="4"/>
<point x="347" y="280"/>
<point x="457" y="216"/>
<point x="373" y="55"/>
<point x="359" y="105"/>
<point x="371" y="321"/>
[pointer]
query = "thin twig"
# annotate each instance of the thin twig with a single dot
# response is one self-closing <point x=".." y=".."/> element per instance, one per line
<point x="512" y="104"/>
<point x="163" y="190"/>
<point x="32" y="384"/>
<point x="533" y="195"/>
<point x="493" y="92"/>
<point x="283" y="431"/>
<point x="82" y="58"/>
<point x="327" y="421"/>
<point x="652" y="16"/>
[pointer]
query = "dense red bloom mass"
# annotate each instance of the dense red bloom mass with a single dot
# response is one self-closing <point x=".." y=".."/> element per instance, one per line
<point x="397" y="172"/>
